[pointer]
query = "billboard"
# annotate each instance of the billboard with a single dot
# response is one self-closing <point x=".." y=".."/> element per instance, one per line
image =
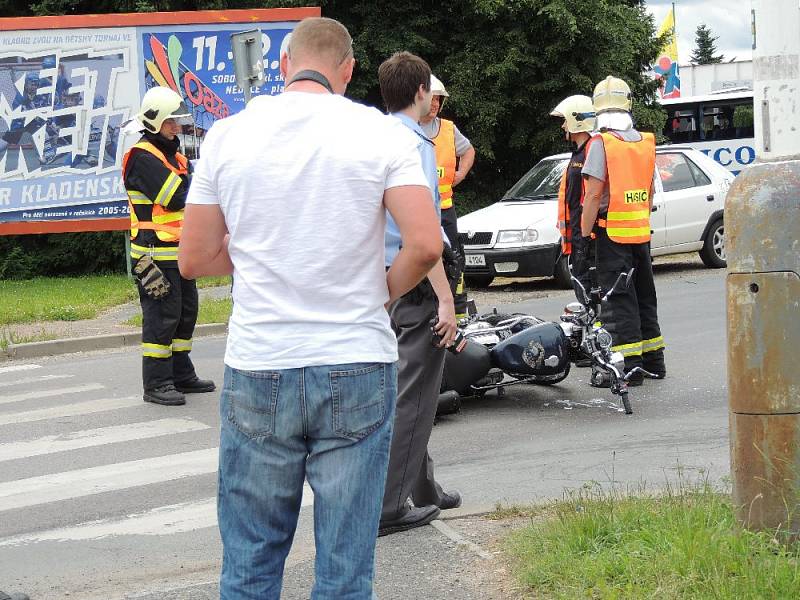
<point x="69" y="84"/>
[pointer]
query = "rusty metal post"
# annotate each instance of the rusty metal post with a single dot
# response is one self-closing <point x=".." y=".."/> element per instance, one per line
<point x="762" y="231"/>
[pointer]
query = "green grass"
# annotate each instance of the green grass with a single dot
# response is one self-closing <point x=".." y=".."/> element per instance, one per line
<point x="684" y="544"/>
<point x="211" y="311"/>
<point x="70" y="298"/>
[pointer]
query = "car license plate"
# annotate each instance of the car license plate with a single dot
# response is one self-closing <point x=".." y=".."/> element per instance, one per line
<point x="476" y="260"/>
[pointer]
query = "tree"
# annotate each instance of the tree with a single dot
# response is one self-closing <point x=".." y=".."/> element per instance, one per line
<point x="705" y="47"/>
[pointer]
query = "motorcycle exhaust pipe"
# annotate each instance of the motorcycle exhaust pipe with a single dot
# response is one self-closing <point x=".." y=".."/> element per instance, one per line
<point x="449" y="403"/>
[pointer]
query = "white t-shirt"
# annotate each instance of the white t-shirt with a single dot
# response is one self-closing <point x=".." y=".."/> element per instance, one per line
<point x="300" y="179"/>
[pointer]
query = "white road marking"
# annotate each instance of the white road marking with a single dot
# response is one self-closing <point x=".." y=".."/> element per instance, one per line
<point x="13" y="368"/>
<point x="78" y="389"/>
<point x="164" y="520"/>
<point x="97" y="437"/>
<point x="39" y="379"/>
<point x="69" y="410"/>
<point x="22" y="493"/>
<point x="452" y="534"/>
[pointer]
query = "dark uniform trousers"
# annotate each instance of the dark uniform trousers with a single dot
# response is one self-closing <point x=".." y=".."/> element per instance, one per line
<point x="419" y="376"/>
<point x="167" y="328"/>
<point x="450" y="226"/>
<point x="630" y="315"/>
<point x="580" y="266"/>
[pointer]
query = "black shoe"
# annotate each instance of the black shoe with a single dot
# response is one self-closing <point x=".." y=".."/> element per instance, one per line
<point x="195" y="386"/>
<point x="414" y="517"/>
<point x="166" y="395"/>
<point x="450" y="500"/>
<point x="14" y="596"/>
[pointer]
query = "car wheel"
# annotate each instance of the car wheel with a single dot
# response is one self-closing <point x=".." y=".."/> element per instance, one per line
<point x="478" y="281"/>
<point x="562" y="274"/>
<point x="713" y="252"/>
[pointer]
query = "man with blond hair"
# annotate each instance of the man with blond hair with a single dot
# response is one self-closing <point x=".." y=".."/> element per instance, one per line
<point x="291" y="195"/>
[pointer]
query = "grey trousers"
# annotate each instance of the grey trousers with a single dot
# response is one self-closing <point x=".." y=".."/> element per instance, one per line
<point x="419" y="375"/>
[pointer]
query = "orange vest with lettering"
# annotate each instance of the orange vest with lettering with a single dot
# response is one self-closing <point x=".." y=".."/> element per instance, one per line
<point x="167" y="224"/>
<point x="445" y="145"/>
<point x="630" y="175"/>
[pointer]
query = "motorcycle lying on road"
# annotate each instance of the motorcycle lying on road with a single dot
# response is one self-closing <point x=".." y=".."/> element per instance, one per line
<point x="511" y="349"/>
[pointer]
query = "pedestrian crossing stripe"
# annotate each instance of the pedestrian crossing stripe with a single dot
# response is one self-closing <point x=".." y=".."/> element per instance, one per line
<point x="69" y="410"/>
<point x="79" y="389"/>
<point x="97" y="437"/>
<point x="30" y="380"/>
<point x="15" y="368"/>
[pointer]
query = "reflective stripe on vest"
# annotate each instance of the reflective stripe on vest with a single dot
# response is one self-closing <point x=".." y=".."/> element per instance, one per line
<point x="157" y="252"/>
<point x="630" y="175"/>
<point x="563" y="215"/>
<point x="445" y="145"/>
<point x="167" y="224"/>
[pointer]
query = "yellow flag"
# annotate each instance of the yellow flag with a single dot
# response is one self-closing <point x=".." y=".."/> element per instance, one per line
<point x="666" y="66"/>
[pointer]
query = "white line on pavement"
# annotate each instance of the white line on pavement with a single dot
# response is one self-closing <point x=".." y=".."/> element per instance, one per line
<point x="39" y="379"/>
<point x="21" y="493"/>
<point x="164" y="520"/>
<point x="97" y="437"/>
<point x="13" y="368"/>
<point x="69" y="410"/>
<point x="452" y="534"/>
<point x="78" y="389"/>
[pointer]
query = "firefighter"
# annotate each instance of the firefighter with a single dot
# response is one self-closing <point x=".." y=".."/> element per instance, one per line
<point x="578" y="125"/>
<point x="156" y="178"/>
<point x="454" y="159"/>
<point x="618" y="172"/>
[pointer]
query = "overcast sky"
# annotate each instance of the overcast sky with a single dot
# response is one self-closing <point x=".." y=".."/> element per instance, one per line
<point x="728" y="19"/>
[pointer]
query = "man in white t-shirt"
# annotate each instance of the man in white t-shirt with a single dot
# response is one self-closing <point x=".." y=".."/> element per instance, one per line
<point x="291" y="195"/>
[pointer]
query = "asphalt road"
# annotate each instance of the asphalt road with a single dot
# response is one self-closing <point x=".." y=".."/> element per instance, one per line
<point x="104" y="496"/>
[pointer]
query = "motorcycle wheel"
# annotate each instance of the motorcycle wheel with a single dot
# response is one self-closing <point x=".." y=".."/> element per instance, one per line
<point x="626" y="404"/>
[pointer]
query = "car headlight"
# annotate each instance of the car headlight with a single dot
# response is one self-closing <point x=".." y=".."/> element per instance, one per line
<point x="517" y="236"/>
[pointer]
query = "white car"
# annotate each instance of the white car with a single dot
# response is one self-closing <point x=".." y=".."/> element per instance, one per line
<point x="519" y="237"/>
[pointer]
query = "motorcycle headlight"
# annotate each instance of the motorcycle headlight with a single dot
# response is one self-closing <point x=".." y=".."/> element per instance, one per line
<point x="603" y="338"/>
<point x="517" y="236"/>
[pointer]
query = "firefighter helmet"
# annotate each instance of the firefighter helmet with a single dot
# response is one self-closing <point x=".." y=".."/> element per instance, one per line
<point x="612" y="94"/>
<point x="160" y="104"/>
<point x="437" y="87"/>
<point x="577" y="112"/>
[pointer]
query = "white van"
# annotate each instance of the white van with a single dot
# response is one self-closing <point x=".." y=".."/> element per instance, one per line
<point x="518" y="236"/>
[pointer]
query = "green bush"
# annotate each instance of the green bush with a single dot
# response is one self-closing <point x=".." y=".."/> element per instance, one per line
<point x="51" y="255"/>
<point x="743" y="116"/>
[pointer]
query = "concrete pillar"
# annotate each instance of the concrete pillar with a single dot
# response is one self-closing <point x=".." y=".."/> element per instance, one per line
<point x="762" y="230"/>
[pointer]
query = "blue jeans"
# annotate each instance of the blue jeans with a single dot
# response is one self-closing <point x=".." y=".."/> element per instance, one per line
<point x="331" y="425"/>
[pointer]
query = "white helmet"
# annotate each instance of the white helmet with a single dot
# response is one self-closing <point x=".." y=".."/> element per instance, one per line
<point x="577" y="112"/>
<point x="437" y="87"/>
<point x="160" y="104"/>
<point x="612" y="94"/>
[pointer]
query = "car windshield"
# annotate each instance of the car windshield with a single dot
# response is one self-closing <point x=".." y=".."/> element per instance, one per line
<point x="540" y="183"/>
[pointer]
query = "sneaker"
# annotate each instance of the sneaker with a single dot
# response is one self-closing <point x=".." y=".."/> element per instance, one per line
<point x="165" y="395"/>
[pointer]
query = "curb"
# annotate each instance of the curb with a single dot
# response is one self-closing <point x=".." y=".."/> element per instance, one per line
<point x="95" y="342"/>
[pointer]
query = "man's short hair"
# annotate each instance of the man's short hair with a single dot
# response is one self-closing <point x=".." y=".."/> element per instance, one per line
<point x="400" y="76"/>
<point x="319" y="39"/>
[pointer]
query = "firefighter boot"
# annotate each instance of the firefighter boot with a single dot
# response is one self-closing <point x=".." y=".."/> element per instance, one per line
<point x="195" y="386"/>
<point x="166" y="395"/>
